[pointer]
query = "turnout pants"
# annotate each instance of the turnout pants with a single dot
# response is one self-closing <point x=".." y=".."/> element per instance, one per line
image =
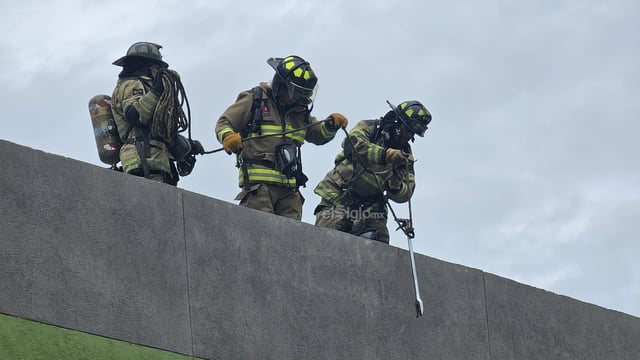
<point x="355" y="220"/>
<point x="274" y="199"/>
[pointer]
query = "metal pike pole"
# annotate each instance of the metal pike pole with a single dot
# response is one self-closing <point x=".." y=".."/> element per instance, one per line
<point x="419" y="305"/>
<point x="406" y="225"/>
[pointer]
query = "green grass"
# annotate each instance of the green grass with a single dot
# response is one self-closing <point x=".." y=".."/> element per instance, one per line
<point x="29" y="340"/>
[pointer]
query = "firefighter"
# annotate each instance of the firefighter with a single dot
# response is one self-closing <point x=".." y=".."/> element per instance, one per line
<point x="151" y="146"/>
<point x="266" y="127"/>
<point x="375" y="165"/>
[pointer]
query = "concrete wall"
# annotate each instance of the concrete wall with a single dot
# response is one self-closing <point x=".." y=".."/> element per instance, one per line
<point x="94" y="250"/>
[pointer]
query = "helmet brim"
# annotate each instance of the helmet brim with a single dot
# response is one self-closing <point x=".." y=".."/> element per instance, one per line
<point x="120" y="61"/>
<point x="274" y="62"/>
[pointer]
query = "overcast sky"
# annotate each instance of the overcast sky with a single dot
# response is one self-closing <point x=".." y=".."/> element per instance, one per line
<point x="529" y="169"/>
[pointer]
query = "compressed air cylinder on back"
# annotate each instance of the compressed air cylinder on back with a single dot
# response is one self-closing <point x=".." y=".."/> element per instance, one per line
<point x="104" y="129"/>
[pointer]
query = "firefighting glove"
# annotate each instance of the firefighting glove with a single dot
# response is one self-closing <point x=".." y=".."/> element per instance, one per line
<point x="337" y="121"/>
<point x="395" y="183"/>
<point x="395" y="157"/>
<point x="196" y="147"/>
<point x="131" y="115"/>
<point x="232" y="143"/>
<point x="185" y="167"/>
<point x="157" y="87"/>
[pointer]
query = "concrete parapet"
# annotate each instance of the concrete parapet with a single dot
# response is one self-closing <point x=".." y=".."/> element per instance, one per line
<point x="94" y="250"/>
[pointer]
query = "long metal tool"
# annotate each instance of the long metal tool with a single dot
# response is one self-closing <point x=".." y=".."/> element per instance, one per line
<point x="410" y="236"/>
<point x="419" y="304"/>
<point x="406" y="225"/>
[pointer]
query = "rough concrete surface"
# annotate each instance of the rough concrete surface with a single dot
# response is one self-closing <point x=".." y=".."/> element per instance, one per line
<point x="89" y="249"/>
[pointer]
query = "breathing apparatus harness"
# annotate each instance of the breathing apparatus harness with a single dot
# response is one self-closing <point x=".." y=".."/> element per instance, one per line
<point x="288" y="159"/>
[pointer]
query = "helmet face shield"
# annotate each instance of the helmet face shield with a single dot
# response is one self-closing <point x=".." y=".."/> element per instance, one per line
<point x="302" y="95"/>
<point x="418" y="128"/>
<point x="296" y="90"/>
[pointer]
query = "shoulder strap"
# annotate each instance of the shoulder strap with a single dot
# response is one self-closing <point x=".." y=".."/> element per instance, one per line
<point x="252" y="126"/>
<point x="256" y="113"/>
<point x="375" y="134"/>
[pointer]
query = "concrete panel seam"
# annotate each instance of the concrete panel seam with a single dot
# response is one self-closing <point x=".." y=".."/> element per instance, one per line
<point x="486" y="314"/>
<point x="186" y="265"/>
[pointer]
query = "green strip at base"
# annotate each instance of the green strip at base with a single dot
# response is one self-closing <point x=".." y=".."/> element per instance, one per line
<point x="29" y="340"/>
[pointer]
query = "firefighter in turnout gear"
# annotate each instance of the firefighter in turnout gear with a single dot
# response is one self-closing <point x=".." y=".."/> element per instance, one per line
<point x="375" y="165"/>
<point x="151" y="146"/>
<point x="266" y="127"/>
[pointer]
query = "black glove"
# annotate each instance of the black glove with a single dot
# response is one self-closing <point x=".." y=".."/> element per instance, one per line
<point x="157" y="87"/>
<point x="196" y="147"/>
<point x="185" y="167"/>
<point x="132" y="116"/>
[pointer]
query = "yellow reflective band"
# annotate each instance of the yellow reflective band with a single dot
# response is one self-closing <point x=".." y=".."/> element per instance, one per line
<point x="326" y="192"/>
<point x="409" y="112"/>
<point x="135" y="163"/>
<point x="131" y="164"/>
<point x="270" y="127"/>
<point x="275" y="130"/>
<point x="267" y="176"/>
<point x="296" y="138"/>
<point x="267" y="173"/>
<point x="223" y="132"/>
<point x="326" y="132"/>
<point x="359" y="132"/>
<point x="374" y="153"/>
<point x="297" y="72"/>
